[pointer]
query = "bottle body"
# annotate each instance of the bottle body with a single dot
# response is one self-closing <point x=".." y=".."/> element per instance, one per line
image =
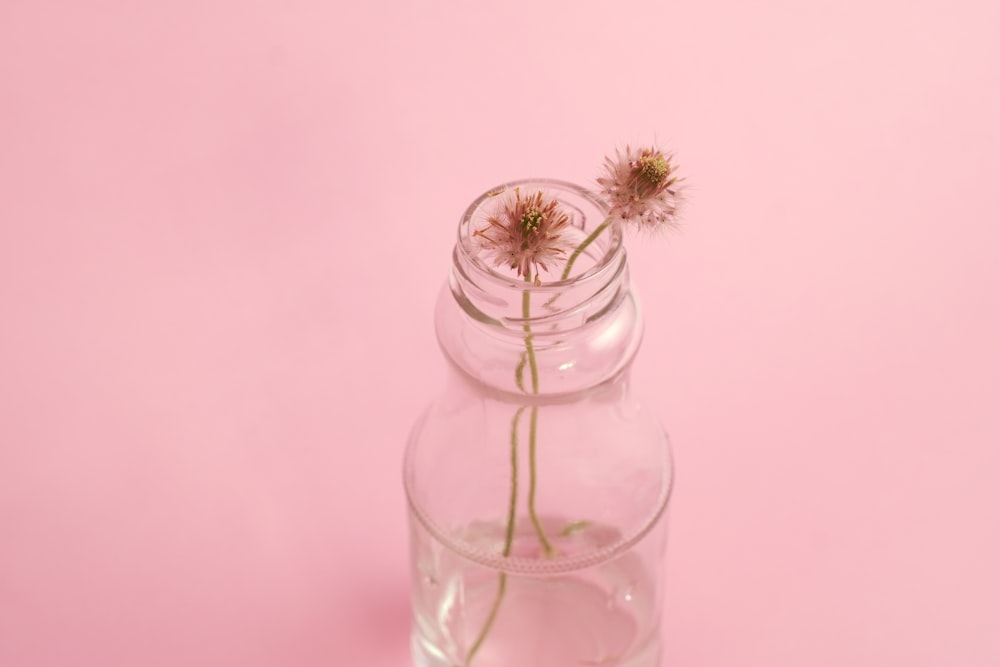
<point x="537" y="484"/>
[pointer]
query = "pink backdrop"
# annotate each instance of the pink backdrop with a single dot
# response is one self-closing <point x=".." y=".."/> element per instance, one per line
<point x="223" y="225"/>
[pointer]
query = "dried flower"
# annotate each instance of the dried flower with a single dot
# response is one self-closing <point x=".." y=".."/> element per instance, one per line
<point x="525" y="233"/>
<point x="641" y="188"/>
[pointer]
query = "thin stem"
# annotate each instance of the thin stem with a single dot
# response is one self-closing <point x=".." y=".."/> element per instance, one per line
<point x="508" y="542"/>
<point x="583" y="246"/>
<point x="529" y="347"/>
<point x="532" y="482"/>
<point x="529" y="344"/>
<point x="501" y="589"/>
<point x="532" y="363"/>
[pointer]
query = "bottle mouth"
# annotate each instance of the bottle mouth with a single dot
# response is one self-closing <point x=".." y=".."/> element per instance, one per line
<point x="498" y="297"/>
<point x="585" y="210"/>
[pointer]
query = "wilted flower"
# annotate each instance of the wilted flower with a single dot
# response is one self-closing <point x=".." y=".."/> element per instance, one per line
<point x="641" y="188"/>
<point x="525" y="233"/>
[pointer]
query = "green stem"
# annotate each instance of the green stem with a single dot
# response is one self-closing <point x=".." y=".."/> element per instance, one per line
<point x="532" y="362"/>
<point x="529" y="343"/>
<point x="583" y="246"/>
<point x="532" y="481"/>
<point x="529" y="347"/>
<point x="501" y="589"/>
<point x="508" y="542"/>
<point x="529" y="358"/>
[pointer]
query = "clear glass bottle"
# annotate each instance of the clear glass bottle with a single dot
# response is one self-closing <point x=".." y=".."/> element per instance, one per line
<point x="538" y="491"/>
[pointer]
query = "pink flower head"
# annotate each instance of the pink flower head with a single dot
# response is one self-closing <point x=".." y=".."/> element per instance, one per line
<point x="641" y="188"/>
<point x="525" y="233"/>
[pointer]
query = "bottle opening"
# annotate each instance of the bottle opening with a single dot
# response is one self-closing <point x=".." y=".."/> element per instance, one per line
<point x="545" y="238"/>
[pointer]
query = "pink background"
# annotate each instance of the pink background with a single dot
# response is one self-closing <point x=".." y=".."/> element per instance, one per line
<point x="223" y="226"/>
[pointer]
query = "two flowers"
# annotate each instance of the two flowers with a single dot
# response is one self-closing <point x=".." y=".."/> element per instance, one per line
<point x="527" y="233"/>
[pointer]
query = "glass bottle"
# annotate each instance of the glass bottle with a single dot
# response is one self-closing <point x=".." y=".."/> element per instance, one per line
<point x="537" y="484"/>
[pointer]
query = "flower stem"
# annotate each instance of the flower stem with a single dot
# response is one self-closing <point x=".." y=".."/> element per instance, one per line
<point x="529" y="347"/>
<point x="532" y="363"/>
<point x="501" y="589"/>
<point x="583" y="246"/>
<point x="532" y="481"/>
<point x="529" y="343"/>
<point x="508" y="542"/>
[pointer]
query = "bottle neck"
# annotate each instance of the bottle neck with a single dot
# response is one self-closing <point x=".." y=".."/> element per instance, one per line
<point x="545" y="336"/>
